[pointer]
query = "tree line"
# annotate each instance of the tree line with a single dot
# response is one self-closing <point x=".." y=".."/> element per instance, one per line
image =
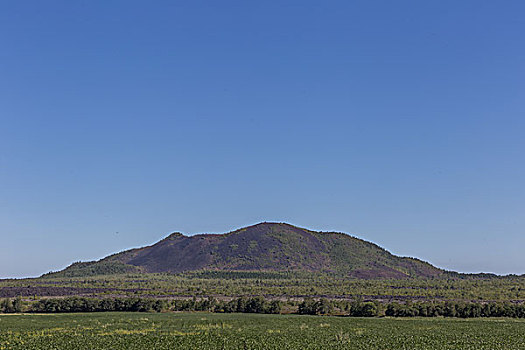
<point x="358" y="308"/>
<point x="81" y="304"/>
<point x="260" y="305"/>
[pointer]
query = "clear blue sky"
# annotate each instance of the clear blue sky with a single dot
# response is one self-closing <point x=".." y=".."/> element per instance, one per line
<point x="401" y="122"/>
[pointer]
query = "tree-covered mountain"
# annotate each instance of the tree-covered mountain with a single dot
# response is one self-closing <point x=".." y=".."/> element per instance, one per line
<point x="261" y="247"/>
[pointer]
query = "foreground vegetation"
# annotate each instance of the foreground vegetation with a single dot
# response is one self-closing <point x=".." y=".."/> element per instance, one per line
<point x="260" y="305"/>
<point x="244" y="331"/>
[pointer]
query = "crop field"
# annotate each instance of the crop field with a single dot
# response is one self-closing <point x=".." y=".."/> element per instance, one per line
<point x="242" y="331"/>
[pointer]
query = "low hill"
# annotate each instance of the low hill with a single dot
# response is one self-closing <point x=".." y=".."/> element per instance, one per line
<point x="261" y="247"/>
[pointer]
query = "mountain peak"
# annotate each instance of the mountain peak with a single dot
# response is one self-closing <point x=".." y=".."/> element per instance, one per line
<point x="174" y="235"/>
<point x="269" y="225"/>
<point x="266" y="246"/>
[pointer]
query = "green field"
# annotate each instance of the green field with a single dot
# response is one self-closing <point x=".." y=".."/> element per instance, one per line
<point x="243" y="331"/>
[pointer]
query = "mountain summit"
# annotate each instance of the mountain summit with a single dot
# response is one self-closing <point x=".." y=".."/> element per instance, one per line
<point x="265" y="246"/>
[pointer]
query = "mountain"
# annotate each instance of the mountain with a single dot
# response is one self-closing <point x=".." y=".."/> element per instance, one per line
<point x="265" y="246"/>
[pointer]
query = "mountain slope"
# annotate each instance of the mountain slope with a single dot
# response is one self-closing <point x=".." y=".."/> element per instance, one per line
<point x="265" y="246"/>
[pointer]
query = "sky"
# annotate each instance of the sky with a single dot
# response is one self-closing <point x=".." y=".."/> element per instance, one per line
<point x="399" y="122"/>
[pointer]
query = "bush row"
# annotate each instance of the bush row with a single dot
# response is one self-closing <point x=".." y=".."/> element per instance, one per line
<point x="308" y="306"/>
<point x="410" y="309"/>
<point x="456" y="309"/>
<point x="10" y="306"/>
<point x="79" y="304"/>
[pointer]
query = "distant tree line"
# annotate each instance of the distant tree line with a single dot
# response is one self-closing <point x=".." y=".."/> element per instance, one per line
<point x="77" y="304"/>
<point x="257" y="305"/>
<point x="220" y="274"/>
<point x="260" y="305"/>
<point x="358" y="308"/>
<point x="456" y="309"/>
<point x="80" y="304"/>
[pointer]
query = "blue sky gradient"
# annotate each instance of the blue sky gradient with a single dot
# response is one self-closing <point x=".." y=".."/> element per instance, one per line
<point x="399" y="122"/>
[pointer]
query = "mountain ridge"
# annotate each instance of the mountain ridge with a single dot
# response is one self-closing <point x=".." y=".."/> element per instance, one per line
<point x="266" y="246"/>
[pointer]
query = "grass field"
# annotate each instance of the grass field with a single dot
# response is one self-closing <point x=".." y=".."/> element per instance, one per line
<point x="243" y="331"/>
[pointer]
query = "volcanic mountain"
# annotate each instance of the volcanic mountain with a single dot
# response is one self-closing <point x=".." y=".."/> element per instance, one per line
<point x="261" y="247"/>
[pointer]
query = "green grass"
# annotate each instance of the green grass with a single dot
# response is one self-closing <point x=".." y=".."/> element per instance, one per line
<point x="242" y="331"/>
